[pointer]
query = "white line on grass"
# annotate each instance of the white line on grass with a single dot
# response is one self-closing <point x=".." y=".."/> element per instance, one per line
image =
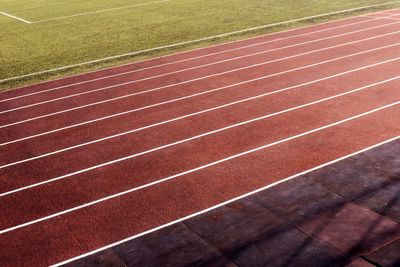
<point x="193" y="41"/>
<point x="222" y="204"/>
<point x="196" y="113"/>
<point x="14" y="17"/>
<point x="207" y="76"/>
<point x="195" y="169"/>
<point x="182" y="98"/>
<point x="100" y="11"/>
<point x="190" y="139"/>
<point x="183" y="60"/>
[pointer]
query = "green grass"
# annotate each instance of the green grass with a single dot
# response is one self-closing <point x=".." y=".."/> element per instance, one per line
<point x="27" y="48"/>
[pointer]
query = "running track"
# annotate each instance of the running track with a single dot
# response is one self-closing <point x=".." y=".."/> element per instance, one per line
<point x="93" y="159"/>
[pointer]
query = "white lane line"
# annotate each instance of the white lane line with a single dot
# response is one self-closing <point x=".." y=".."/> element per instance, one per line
<point x="389" y="11"/>
<point x="194" y="41"/>
<point x="222" y="204"/>
<point x="14" y="17"/>
<point x="195" y="169"/>
<point x="204" y="92"/>
<point x="175" y="100"/>
<point x="389" y="17"/>
<point x="184" y="60"/>
<point x="190" y="139"/>
<point x="100" y="11"/>
<point x="196" y="113"/>
<point x="207" y="76"/>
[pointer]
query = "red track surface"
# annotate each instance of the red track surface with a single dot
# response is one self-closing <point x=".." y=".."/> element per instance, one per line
<point x="314" y="95"/>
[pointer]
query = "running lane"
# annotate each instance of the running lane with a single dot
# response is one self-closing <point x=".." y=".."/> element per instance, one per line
<point x="74" y="189"/>
<point x="293" y="114"/>
<point x="218" y="102"/>
<point x="58" y="164"/>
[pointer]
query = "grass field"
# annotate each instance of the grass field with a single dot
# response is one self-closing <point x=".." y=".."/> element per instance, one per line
<point x="62" y="34"/>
